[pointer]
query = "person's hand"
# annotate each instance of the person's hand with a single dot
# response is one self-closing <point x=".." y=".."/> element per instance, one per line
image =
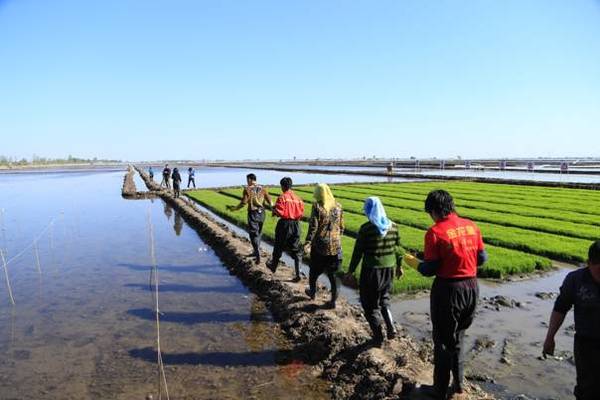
<point x="411" y="260"/>
<point x="549" y="346"/>
<point x="307" y="248"/>
<point x="399" y="271"/>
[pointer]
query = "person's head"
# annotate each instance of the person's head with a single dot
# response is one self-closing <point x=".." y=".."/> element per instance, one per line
<point x="175" y="169"/>
<point x="190" y="169"/>
<point x="373" y="209"/>
<point x="323" y="196"/>
<point x="594" y="255"/>
<point x="250" y="178"/>
<point x="286" y="184"/>
<point x="439" y="204"/>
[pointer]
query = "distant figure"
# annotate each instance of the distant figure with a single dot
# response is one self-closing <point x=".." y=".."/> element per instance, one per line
<point x="390" y="168"/>
<point x="324" y="240"/>
<point x="151" y="173"/>
<point x="166" y="173"/>
<point x="191" y="174"/>
<point x="256" y="197"/>
<point x="581" y="288"/>
<point x="453" y="251"/>
<point x="176" y="182"/>
<point x="289" y="208"/>
<point x="378" y="245"/>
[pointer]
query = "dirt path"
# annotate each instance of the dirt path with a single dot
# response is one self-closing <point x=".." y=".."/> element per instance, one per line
<point x="333" y="341"/>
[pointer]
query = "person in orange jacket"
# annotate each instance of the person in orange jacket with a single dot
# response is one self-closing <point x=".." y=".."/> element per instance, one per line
<point x="290" y="209"/>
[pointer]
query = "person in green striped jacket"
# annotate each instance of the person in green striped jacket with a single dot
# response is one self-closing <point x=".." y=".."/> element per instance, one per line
<point x="378" y="245"/>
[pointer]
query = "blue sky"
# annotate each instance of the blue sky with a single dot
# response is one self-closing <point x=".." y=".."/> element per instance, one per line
<point x="276" y="79"/>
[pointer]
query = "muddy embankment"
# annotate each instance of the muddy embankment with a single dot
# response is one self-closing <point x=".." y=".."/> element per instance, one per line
<point x="523" y="182"/>
<point x="129" y="190"/>
<point x="334" y="342"/>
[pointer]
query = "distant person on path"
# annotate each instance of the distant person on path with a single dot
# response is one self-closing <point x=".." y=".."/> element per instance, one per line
<point x="378" y="245"/>
<point x="176" y="182"/>
<point x="290" y="209"/>
<point x="324" y="240"/>
<point x="581" y="288"/>
<point x="256" y="197"/>
<point x="453" y="251"/>
<point x="151" y="173"/>
<point x="191" y="175"/>
<point x="166" y="173"/>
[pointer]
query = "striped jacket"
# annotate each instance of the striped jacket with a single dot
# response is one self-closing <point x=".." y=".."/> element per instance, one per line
<point x="375" y="250"/>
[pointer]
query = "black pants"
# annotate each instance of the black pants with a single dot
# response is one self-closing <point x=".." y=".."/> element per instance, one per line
<point x="176" y="188"/>
<point x="165" y="181"/>
<point x="192" y="181"/>
<point x="587" y="365"/>
<point x="323" y="264"/>
<point x="256" y="219"/>
<point x="453" y="305"/>
<point x="287" y="238"/>
<point x="374" y="288"/>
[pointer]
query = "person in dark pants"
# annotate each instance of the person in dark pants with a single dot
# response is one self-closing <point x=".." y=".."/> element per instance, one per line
<point x="166" y="173"/>
<point x="453" y="251"/>
<point x="581" y="288"/>
<point x="324" y="241"/>
<point x="378" y="245"/>
<point x="290" y="209"/>
<point x="151" y="173"/>
<point x="256" y="197"/>
<point x="176" y="182"/>
<point x="191" y="177"/>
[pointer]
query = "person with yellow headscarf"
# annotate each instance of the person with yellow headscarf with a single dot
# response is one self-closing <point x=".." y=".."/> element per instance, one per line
<point x="323" y="240"/>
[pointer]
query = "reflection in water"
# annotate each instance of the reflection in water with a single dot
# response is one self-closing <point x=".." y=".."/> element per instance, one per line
<point x="178" y="223"/>
<point x="168" y="210"/>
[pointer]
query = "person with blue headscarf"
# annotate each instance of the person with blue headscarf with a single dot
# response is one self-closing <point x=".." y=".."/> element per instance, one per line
<point x="378" y="245"/>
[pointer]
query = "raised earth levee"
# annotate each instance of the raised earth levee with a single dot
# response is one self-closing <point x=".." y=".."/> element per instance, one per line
<point x="334" y="342"/>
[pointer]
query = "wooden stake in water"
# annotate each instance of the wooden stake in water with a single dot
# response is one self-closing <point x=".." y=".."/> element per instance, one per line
<point x="12" y="299"/>
<point x="37" y="257"/>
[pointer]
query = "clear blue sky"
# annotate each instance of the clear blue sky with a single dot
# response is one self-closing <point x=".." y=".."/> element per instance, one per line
<point x="275" y="79"/>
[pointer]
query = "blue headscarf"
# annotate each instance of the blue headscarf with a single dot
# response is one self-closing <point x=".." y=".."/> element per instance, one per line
<point x="376" y="213"/>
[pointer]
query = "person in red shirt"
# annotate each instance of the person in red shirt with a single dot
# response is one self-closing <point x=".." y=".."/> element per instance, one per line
<point x="290" y="209"/>
<point x="453" y="251"/>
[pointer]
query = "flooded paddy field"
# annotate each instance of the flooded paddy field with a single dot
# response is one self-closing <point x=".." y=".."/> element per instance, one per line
<point x="84" y="327"/>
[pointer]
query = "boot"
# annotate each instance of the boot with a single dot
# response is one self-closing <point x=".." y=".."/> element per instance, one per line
<point x="389" y="322"/>
<point x="377" y="338"/>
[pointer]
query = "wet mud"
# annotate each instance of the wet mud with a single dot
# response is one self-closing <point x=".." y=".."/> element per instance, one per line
<point x="334" y="342"/>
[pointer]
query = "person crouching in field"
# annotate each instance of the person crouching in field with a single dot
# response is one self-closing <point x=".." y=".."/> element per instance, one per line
<point x="581" y="288"/>
<point x="453" y="251"/>
<point x="256" y="197"/>
<point x="166" y="173"/>
<point x="289" y="208"/>
<point x="324" y="241"/>
<point x="176" y="182"/>
<point x="378" y="245"/>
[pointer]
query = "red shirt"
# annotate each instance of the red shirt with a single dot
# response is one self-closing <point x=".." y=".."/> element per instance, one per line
<point x="289" y="206"/>
<point x="454" y="242"/>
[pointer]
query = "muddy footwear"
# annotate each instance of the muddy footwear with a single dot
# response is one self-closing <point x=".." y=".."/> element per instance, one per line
<point x="377" y="339"/>
<point x="428" y="392"/>
<point x="271" y="265"/>
<point x="310" y="293"/>
<point x="257" y="260"/>
<point x="297" y="279"/>
<point x="330" y="305"/>
<point x="389" y="323"/>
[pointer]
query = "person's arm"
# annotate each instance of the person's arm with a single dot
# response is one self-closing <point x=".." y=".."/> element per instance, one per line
<point x="482" y="257"/>
<point x="342" y="223"/>
<point x="242" y="203"/>
<point x="556" y="320"/>
<point x="313" y="224"/>
<point x="357" y="253"/>
<point x="562" y="305"/>
<point x="278" y="208"/>
<point x="267" y="199"/>
<point x="432" y="259"/>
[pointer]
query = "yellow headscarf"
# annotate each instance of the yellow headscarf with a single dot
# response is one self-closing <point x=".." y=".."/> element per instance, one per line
<point x="324" y="197"/>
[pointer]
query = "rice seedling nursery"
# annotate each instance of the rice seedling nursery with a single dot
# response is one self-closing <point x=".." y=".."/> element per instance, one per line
<point x="524" y="227"/>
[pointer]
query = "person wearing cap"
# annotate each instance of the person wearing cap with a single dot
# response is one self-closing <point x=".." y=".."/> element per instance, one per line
<point x="256" y="198"/>
<point x="324" y="241"/>
<point x="378" y="245"/>
<point x="176" y="177"/>
<point x="290" y="209"/>
<point x="581" y="289"/>
<point x="453" y="251"/>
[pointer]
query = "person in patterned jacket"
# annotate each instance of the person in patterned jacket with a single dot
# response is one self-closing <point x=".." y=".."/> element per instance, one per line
<point x="323" y="241"/>
<point x="255" y="197"/>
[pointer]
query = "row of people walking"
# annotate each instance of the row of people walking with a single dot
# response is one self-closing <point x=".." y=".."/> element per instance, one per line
<point x="174" y="176"/>
<point x="453" y="251"/>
